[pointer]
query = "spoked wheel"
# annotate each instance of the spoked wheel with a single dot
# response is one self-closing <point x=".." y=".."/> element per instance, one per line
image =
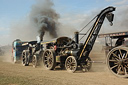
<point x="49" y="59"/>
<point x="86" y="65"/>
<point x="117" y="61"/>
<point x="25" y="58"/>
<point x="71" y="64"/>
<point x="34" y="61"/>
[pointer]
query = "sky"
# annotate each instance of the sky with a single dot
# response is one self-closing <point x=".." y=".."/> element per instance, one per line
<point x="72" y="12"/>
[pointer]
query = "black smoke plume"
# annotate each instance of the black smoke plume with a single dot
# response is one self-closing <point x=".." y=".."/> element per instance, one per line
<point x="45" y="18"/>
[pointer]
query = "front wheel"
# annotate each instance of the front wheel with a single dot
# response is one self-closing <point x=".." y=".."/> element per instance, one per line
<point x="25" y="58"/>
<point x="71" y="64"/>
<point x="34" y="61"/>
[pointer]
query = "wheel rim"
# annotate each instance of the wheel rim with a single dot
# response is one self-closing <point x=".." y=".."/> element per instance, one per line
<point x="34" y="60"/>
<point x="118" y="62"/>
<point x="71" y="64"/>
<point x="86" y="66"/>
<point x="23" y="58"/>
<point x="48" y="60"/>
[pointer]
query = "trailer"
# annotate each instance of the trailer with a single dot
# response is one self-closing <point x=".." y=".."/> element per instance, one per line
<point x="117" y="59"/>
<point x="17" y="49"/>
<point x="70" y="53"/>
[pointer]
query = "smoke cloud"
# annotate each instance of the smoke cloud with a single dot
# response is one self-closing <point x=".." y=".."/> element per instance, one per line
<point x="45" y="18"/>
<point x="42" y="20"/>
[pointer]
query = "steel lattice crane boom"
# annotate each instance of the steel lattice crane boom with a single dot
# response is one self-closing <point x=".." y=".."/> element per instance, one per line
<point x="88" y="44"/>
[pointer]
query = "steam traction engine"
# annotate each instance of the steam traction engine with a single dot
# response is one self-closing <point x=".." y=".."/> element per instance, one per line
<point x="32" y="53"/>
<point x="117" y="56"/>
<point x="71" y="54"/>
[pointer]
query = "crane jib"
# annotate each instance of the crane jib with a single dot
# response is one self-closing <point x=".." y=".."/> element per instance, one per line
<point x="95" y="30"/>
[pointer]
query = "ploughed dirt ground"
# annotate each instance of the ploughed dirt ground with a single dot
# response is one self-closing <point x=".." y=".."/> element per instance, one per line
<point x="16" y="74"/>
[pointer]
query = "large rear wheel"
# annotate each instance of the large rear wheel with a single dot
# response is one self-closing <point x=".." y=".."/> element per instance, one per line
<point x="49" y="59"/>
<point x="71" y="64"/>
<point x="117" y="61"/>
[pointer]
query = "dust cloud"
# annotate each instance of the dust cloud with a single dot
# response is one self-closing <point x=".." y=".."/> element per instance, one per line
<point x="5" y="54"/>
